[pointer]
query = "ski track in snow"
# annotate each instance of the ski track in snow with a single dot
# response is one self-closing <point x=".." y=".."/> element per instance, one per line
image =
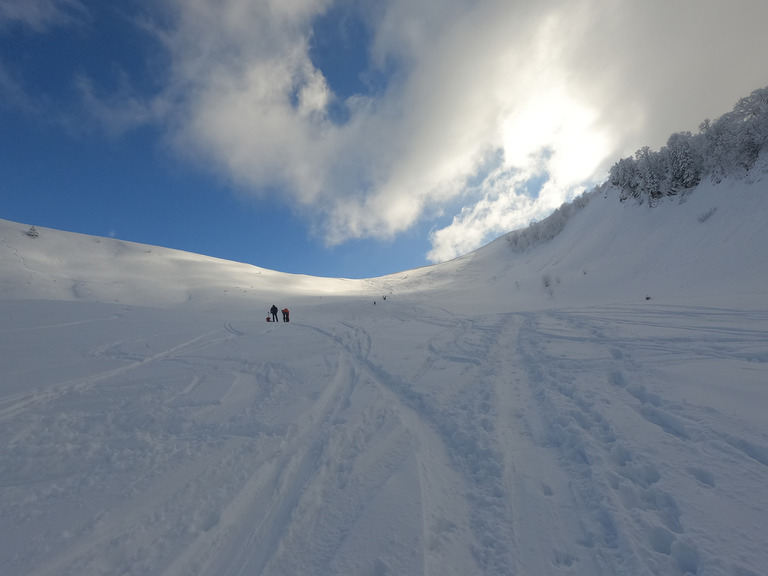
<point x="643" y="510"/>
<point x="518" y="443"/>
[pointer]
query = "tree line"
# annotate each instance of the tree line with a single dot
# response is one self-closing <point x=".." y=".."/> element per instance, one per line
<point x="727" y="145"/>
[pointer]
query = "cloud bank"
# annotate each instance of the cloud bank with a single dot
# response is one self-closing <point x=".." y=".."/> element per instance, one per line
<point x="483" y="116"/>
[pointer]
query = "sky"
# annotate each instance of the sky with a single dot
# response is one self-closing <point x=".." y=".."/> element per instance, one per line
<point x="346" y="138"/>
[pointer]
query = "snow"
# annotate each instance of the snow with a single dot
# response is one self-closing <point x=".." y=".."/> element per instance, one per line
<point x="476" y="421"/>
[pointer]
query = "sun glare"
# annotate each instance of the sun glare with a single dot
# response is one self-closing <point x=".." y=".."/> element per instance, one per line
<point x="555" y="134"/>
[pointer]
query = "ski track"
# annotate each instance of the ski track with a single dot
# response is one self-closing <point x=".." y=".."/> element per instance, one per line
<point x="638" y="520"/>
<point x="517" y="443"/>
<point x="441" y="519"/>
<point x="289" y="474"/>
<point x="14" y="404"/>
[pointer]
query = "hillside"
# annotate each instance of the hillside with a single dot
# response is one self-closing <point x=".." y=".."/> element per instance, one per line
<point x="593" y="404"/>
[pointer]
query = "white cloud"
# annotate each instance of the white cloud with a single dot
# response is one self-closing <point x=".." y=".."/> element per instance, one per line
<point x="122" y="110"/>
<point x="552" y="91"/>
<point x="12" y="92"/>
<point x="41" y="15"/>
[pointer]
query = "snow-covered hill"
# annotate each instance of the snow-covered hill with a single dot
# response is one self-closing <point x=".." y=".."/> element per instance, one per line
<point x="592" y="405"/>
<point x="65" y="266"/>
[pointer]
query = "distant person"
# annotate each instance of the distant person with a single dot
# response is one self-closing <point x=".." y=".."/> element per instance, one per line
<point x="286" y="315"/>
<point x="273" y="311"/>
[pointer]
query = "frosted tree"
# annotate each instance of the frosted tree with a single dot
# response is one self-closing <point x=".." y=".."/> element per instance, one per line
<point x="729" y="145"/>
<point x="684" y="162"/>
<point x="624" y="176"/>
<point x="650" y="170"/>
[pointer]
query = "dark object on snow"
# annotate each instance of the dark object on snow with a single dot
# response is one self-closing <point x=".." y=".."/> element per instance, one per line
<point x="32" y="232"/>
<point x="273" y="311"/>
<point x="647" y="297"/>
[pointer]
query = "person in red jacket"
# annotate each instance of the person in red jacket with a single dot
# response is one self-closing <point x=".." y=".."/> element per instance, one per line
<point x="286" y="316"/>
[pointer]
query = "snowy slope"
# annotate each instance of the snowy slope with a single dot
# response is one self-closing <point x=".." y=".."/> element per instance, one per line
<point x="65" y="266"/>
<point x="708" y="244"/>
<point x="476" y="421"/>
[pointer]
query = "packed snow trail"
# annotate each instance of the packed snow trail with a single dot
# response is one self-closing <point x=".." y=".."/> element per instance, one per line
<point x="402" y="440"/>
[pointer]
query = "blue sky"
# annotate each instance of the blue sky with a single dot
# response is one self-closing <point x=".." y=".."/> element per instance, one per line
<point x="346" y="138"/>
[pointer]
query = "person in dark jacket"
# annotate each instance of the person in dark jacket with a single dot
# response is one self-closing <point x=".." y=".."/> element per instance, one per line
<point x="273" y="310"/>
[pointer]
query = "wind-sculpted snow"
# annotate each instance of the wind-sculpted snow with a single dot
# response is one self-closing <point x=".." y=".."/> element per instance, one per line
<point x="476" y="421"/>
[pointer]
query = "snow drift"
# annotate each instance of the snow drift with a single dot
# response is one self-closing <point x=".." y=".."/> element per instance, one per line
<point x="594" y="404"/>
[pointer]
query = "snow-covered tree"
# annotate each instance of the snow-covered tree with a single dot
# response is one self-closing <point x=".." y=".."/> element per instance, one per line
<point x="729" y="145"/>
<point x="684" y="162"/>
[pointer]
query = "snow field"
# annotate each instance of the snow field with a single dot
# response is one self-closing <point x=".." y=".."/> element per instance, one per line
<point x="477" y="421"/>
